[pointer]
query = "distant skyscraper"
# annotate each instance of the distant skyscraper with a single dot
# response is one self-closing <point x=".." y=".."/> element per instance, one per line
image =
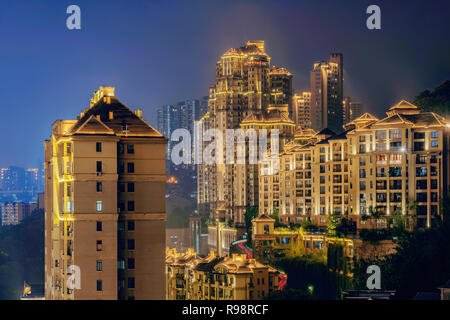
<point x="180" y="116"/>
<point x="105" y="204"/>
<point x="352" y="110"/>
<point x="302" y="110"/>
<point x="327" y="94"/>
<point x="14" y="213"/>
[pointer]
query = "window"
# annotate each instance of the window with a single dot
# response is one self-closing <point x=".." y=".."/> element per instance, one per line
<point x="98" y="147"/>
<point x="130" y="205"/>
<point x="121" y="167"/>
<point x="434" y="134"/>
<point x="99" y="166"/>
<point x="419" y="146"/>
<point x="99" y="206"/>
<point x="69" y="206"/>
<point x="421" y="184"/>
<point x="380" y="134"/>
<point x="434" y="184"/>
<point x="130" y="263"/>
<point x="99" y="265"/>
<point x="130" y="225"/>
<point x="130" y="167"/>
<point x="419" y="135"/>
<point x="99" y="285"/>
<point x="421" y="197"/>
<point x="121" y="148"/>
<point x="121" y="206"/>
<point x="130" y="283"/>
<point x="434" y="143"/>
<point x="421" y="171"/>
<point x="99" y="245"/>
<point x="130" y="148"/>
<point x="99" y="226"/>
<point x="121" y="187"/>
<point x="130" y="244"/>
<point x="130" y="187"/>
<point x="121" y="264"/>
<point x="99" y="187"/>
<point x="395" y="133"/>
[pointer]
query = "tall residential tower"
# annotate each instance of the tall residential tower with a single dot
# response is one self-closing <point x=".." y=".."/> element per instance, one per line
<point x="105" y="205"/>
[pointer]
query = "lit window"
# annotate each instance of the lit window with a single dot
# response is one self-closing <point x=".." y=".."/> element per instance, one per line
<point x="99" y="206"/>
<point x="99" y="265"/>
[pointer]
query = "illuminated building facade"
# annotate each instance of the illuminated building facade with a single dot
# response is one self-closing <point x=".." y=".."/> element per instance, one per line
<point x="386" y="164"/>
<point x="302" y="110"/>
<point x="327" y="85"/>
<point x="351" y="109"/>
<point x="190" y="277"/>
<point x="247" y="93"/>
<point x="105" y="205"/>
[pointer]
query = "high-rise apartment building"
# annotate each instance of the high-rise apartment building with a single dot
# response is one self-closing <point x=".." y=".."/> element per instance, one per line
<point x="387" y="165"/>
<point x="14" y="212"/>
<point x="302" y="110"/>
<point x="248" y="94"/>
<point x="181" y="115"/>
<point x="351" y="109"/>
<point x="105" y="205"/>
<point x="327" y="85"/>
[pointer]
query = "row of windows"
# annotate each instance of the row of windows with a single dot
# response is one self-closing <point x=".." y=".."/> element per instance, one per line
<point x="131" y="285"/>
<point x="130" y="206"/>
<point x="130" y="167"/>
<point x="130" y="187"/>
<point x="120" y="264"/>
<point x="130" y="148"/>
<point x="131" y="244"/>
<point x="130" y="225"/>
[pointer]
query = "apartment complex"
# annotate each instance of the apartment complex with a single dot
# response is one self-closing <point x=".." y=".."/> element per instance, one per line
<point x="248" y="93"/>
<point x="327" y="86"/>
<point x="302" y="110"/>
<point x="14" y="212"/>
<point x="387" y="165"/>
<point x="190" y="277"/>
<point x="181" y="115"/>
<point x="105" y="205"/>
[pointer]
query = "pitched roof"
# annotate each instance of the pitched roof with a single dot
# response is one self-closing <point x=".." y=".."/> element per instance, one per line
<point x="123" y="121"/>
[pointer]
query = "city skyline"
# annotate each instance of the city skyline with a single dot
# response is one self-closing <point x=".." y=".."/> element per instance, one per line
<point x="143" y="70"/>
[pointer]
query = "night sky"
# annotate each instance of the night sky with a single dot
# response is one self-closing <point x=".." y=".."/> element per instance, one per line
<point x="160" y="52"/>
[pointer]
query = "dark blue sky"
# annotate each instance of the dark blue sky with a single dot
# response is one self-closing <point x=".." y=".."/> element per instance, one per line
<point x="162" y="51"/>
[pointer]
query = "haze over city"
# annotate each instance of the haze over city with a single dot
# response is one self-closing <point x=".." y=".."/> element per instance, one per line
<point x="159" y="52"/>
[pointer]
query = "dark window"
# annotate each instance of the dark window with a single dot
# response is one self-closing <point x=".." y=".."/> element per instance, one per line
<point x="421" y="197"/>
<point x="98" y="147"/>
<point x="99" y="245"/>
<point x="121" y="206"/>
<point x="434" y="184"/>
<point x="130" y="187"/>
<point x="130" y="283"/>
<point x="130" y="263"/>
<point x="130" y="148"/>
<point x="130" y="205"/>
<point x="121" y="225"/>
<point x="121" y="187"/>
<point x="421" y="171"/>
<point x="121" y="167"/>
<point x="99" y="187"/>
<point x="130" y="244"/>
<point x="419" y="135"/>
<point x="121" y="244"/>
<point x="130" y="167"/>
<point x="421" y="184"/>
<point x="99" y="166"/>
<point x="99" y="226"/>
<point x="130" y="225"/>
<point x="121" y="148"/>
<point x="419" y="146"/>
<point x="99" y="285"/>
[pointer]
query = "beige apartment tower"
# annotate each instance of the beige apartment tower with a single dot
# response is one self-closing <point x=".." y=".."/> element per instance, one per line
<point x="105" y="205"/>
